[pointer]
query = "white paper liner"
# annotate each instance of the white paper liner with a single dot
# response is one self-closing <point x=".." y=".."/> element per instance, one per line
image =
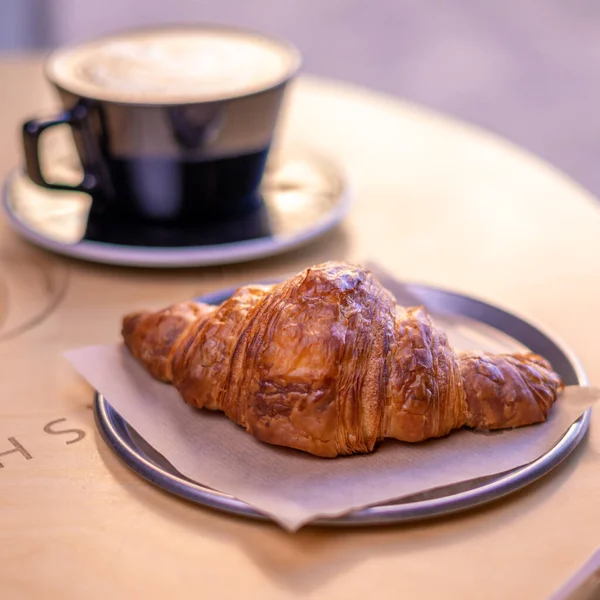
<point x="292" y="487"/>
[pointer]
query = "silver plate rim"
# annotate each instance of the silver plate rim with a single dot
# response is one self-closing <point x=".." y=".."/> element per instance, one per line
<point x="116" y="433"/>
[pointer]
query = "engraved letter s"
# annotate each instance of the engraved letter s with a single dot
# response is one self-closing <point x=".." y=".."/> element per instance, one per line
<point x="80" y="433"/>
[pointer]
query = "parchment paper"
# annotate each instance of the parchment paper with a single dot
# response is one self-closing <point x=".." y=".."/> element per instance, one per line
<point x="293" y="487"/>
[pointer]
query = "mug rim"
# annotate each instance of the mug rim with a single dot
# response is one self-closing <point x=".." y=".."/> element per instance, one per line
<point x="294" y="54"/>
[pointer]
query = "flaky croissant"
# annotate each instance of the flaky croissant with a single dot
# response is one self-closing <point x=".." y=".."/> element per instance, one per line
<point x="328" y="363"/>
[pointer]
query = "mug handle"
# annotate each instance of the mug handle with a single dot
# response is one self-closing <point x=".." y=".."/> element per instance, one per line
<point x="32" y="131"/>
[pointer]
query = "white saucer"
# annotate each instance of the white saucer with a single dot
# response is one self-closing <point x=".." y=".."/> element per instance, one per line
<point x="304" y="195"/>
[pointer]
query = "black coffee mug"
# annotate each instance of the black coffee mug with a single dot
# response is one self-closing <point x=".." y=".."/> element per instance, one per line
<point x="166" y="159"/>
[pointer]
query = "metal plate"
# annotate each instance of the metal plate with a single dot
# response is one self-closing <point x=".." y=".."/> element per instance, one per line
<point x="489" y="322"/>
<point x="304" y="196"/>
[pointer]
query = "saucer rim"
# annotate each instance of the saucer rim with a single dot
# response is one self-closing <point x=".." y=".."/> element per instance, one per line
<point x="178" y="257"/>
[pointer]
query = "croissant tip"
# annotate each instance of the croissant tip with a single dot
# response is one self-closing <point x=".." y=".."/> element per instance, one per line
<point x="130" y="322"/>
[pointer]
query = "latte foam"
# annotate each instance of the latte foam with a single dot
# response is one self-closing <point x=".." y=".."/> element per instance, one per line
<point x="173" y="65"/>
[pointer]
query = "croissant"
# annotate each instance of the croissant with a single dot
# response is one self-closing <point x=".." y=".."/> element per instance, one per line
<point x="328" y="363"/>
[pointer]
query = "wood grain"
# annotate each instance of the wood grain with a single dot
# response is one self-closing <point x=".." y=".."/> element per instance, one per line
<point x="435" y="201"/>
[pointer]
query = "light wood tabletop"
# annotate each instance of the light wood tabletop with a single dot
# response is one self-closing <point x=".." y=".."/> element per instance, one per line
<point x="435" y="201"/>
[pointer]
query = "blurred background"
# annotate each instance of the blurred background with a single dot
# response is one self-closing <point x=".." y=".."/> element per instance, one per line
<point x="526" y="69"/>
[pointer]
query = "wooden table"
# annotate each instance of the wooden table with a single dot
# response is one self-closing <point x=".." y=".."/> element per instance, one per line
<point x="435" y="201"/>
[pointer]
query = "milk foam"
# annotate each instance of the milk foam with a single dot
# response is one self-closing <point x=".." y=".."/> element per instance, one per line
<point x="173" y="65"/>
